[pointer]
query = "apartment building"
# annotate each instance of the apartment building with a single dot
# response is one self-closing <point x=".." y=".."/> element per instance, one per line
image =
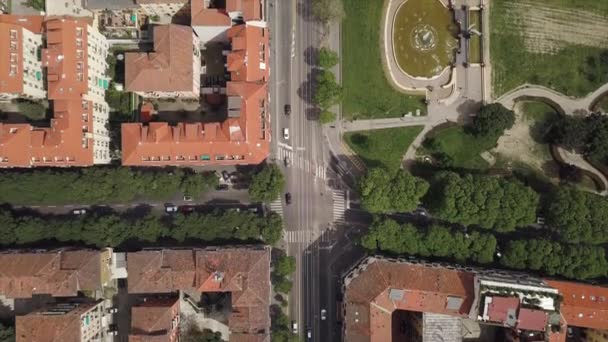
<point x="211" y="19"/>
<point x="155" y="318"/>
<point x="66" y="322"/>
<point x="243" y="137"/>
<point x="21" y="74"/>
<point x="388" y="299"/>
<point x="164" y="9"/>
<point x="171" y="70"/>
<point x="74" y="65"/>
<point x="242" y="272"/>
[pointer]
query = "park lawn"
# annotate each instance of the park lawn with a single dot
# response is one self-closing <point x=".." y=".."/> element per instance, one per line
<point x="463" y="149"/>
<point x="475" y="41"/>
<point x="382" y="147"/>
<point x="574" y="70"/>
<point x="367" y="92"/>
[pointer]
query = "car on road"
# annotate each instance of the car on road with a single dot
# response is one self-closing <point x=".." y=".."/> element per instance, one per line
<point x="286" y="133"/>
<point x="79" y="212"/>
<point x="287" y="109"/>
<point x="323" y="314"/>
<point x="112" y="310"/>
<point x="170" y="208"/>
<point x="188" y="198"/>
<point x="226" y="176"/>
<point x="222" y="187"/>
<point x="309" y="334"/>
<point x="288" y="198"/>
<point x="294" y="327"/>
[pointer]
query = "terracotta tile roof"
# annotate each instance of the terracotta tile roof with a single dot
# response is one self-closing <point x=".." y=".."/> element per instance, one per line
<point x="238" y="140"/>
<point x="67" y="70"/>
<point x="64" y="143"/>
<point x="530" y="319"/>
<point x="499" y="308"/>
<point x="38" y="327"/>
<point x="242" y="271"/>
<point x="168" y="68"/>
<point x="153" y="320"/>
<point x="60" y="274"/>
<point x="249" y="53"/>
<point x="33" y="23"/>
<point x="251" y="9"/>
<point x="201" y="15"/>
<point x="583" y="305"/>
<point x="368" y="300"/>
<point x="139" y="2"/>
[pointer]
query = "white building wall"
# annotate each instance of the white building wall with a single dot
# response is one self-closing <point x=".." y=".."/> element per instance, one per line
<point x="33" y="80"/>
<point x="211" y="34"/>
<point x="164" y="10"/>
<point x="92" y="331"/>
<point x="196" y="65"/>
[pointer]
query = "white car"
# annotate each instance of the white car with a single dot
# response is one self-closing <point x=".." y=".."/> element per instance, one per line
<point x="170" y="208"/>
<point x="323" y="314"/>
<point x="79" y="211"/>
<point x="286" y="133"/>
<point x="294" y="327"/>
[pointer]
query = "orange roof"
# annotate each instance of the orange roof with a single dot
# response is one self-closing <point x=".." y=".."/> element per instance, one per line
<point x="39" y="327"/>
<point x="251" y="9"/>
<point x="249" y="53"/>
<point x="168" y="68"/>
<point x="65" y="58"/>
<point x="584" y="306"/>
<point x="32" y="23"/>
<point x="500" y="308"/>
<point x="418" y="288"/>
<point x="64" y="143"/>
<point x="241" y="139"/>
<point x="204" y="16"/>
<point x="153" y="320"/>
<point x="242" y="271"/>
<point x="59" y="274"/>
<point x="530" y="319"/>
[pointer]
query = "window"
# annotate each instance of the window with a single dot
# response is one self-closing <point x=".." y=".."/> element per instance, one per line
<point x="219" y="157"/>
<point x="205" y="157"/>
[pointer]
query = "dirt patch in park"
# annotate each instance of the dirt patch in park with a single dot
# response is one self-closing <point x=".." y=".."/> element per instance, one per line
<point x="548" y="29"/>
<point x="518" y="145"/>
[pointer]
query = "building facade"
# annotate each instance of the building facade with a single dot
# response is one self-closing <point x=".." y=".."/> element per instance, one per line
<point x="164" y="9"/>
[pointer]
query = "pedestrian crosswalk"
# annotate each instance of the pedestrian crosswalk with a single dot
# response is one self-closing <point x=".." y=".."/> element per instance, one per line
<point x="339" y="205"/>
<point x="277" y="206"/>
<point x="296" y="160"/>
<point x="298" y="236"/>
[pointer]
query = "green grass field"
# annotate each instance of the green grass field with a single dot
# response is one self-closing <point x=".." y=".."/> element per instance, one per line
<point x="475" y="41"/>
<point x="367" y="93"/>
<point x="382" y="147"/>
<point x="572" y="69"/>
<point x="463" y="149"/>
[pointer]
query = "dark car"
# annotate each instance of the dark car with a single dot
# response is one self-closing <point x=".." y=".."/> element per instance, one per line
<point x="287" y="109"/>
<point x="186" y="209"/>
<point x="225" y="175"/>
<point x="288" y="198"/>
<point x="222" y="187"/>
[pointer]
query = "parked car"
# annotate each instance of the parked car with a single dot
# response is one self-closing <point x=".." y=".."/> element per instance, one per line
<point x="112" y="310"/>
<point x="79" y="211"/>
<point x="323" y="314"/>
<point x="286" y="133"/>
<point x="188" y="198"/>
<point x="294" y="327"/>
<point x="253" y="210"/>
<point x="170" y="208"/>
<point x="288" y="198"/>
<point x="222" y="187"/>
<point x="226" y="176"/>
<point x="287" y="109"/>
<point x="309" y="334"/>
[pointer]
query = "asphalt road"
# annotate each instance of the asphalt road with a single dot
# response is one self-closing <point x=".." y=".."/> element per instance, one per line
<point x="294" y="39"/>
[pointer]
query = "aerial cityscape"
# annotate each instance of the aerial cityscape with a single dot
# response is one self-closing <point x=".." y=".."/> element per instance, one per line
<point x="303" y="170"/>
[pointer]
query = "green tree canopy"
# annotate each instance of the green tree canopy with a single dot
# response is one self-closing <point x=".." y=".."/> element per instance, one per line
<point x="489" y="202"/>
<point x="554" y="258"/>
<point x="492" y="120"/>
<point x="384" y="192"/>
<point x="266" y="185"/>
<point x="327" y="91"/>
<point x="437" y="241"/>
<point x="7" y="333"/>
<point x="285" y="266"/>
<point x="578" y="216"/>
<point x="326" y="11"/>
<point x="327" y="58"/>
<point x="327" y="116"/>
<point x="587" y="135"/>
